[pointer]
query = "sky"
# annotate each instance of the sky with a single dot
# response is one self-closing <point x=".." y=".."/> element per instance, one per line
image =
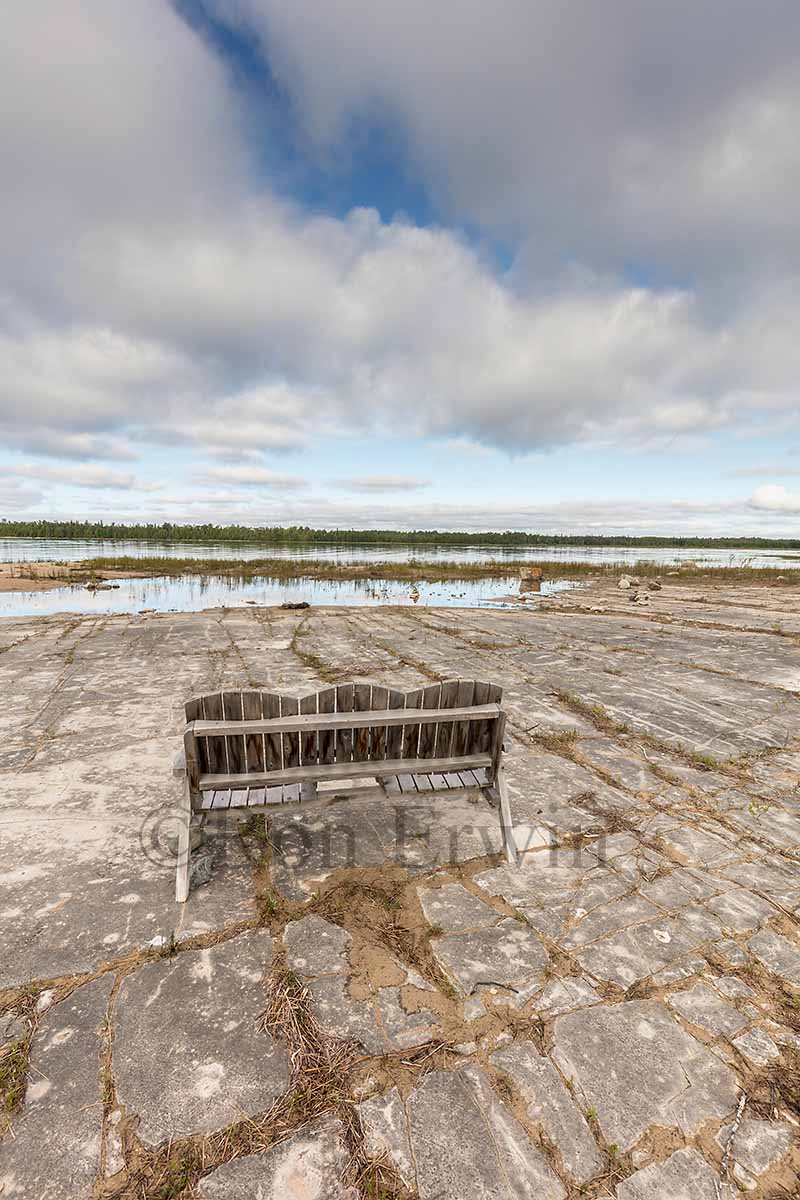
<point x="530" y="265"/>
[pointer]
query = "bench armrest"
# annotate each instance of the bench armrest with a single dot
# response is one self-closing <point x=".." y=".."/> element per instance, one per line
<point x="179" y="764"/>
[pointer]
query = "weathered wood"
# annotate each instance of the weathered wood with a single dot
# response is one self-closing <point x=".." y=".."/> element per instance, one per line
<point x="273" y="745"/>
<point x="509" y="844"/>
<point x="232" y="711"/>
<point x="250" y="749"/>
<point x="291" y="741"/>
<point x="465" y="694"/>
<point x="431" y="698"/>
<point x="411" y="732"/>
<point x="344" y="770"/>
<point x="309" y="742"/>
<point x="216" y="752"/>
<point x="184" y="844"/>
<point x="361" y="735"/>
<point x="344" y="737"/>
<point x="253" y="742"/>
<point x="444" y="732"/>
<point x="379" y="701"/>
<point x="349" y="720"/>
<point x="394" y="733"/>
<point x="326" y="703"/>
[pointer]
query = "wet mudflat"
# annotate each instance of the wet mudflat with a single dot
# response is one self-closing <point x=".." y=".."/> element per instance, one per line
<point x="365" y="996"/>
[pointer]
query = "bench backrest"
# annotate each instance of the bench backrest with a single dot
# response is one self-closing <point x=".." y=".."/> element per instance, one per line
<point x="267" y="746"/>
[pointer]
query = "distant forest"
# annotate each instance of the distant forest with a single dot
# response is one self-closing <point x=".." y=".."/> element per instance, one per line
<point x="301" y="535"/>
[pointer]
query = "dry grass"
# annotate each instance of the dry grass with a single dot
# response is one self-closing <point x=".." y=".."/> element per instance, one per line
<point x="414" y="570"/>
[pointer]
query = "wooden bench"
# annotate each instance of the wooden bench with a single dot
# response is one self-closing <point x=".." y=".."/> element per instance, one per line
<point x="251" y="749"/>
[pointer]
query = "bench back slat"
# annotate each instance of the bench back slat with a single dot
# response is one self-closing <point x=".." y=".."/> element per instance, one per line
<point x="259" y="750"/>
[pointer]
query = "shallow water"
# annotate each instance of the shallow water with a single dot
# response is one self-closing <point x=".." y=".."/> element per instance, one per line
<point x="63" y="550"/>
<point x="191" y="593"/>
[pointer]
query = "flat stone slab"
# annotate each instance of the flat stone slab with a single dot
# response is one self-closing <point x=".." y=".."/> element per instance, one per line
<point x="778" y="954"/>
<point x="508" y="955"/>
<point x="740" y="911"/>
<point x="385" y="1126"/>
<point x="703" y="1007"/>
<point x="637" y="1068"/>
<point x="758" y="1145"/>
<point x="757" y="1047"/>
<point x="565" y="995"/>
<point x="650" y="948"/>
<point x="454" y="909"/>
<point x="309" y="1166"/>
<point x="189" y="1056"/>
<point x="53" y="1150"/>
<point x="466" y="1143"/>
<point x="315" y="946"/>
<point x="551" y="1106"/>
<point x="685" y="1175"/>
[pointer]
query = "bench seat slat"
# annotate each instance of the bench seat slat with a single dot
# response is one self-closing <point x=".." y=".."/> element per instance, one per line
<point x="345" y="770"/>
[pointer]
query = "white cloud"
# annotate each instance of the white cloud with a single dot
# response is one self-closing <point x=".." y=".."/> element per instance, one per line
<point x="776" y="499"/>
<point x="254" y="477"/>
<point x="157" y="291"/>
<point x="649" y="133"/>
<point x="82" y="475"/>
<point x="382" y="483"/>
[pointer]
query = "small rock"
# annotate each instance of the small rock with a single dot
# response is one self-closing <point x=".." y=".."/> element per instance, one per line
<point x="295" y="604"/>
<point x="654" y="585"/>
<point x="757" y="1047"/>
<point x="201" y="869"/>
<point x="45" y="1000"/>
<point x="624" y="582"/>
<point x="12" y="1028"/>
<point x="197" y="838"/>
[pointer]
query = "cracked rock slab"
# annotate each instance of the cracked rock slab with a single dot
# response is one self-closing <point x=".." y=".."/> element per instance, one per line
<point x="550" y="1105"/>
<point x="509" y="955"/>
<point x="383" y="1119"/>
<point x="778" y="954"/>
<point x="683" y="1176"/>
<point x="54" y="1153"/>
<point x="309" y="1166"/>
<point x="467" y="1143"/>
<point x="189" y="1056"/>
<point x="637" y="1068"/>
<point x="315" y="946"/>
<point x="757" y="1047"/>
<point x="702" y="1007"/>
<point x="565" y="995"/>
<point x="758" y="1145"/>
<point x="454" y="909"/>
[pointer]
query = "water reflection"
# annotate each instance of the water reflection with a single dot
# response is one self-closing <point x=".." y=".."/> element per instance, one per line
<point x="191" y="593"/>
<point x="63" y="550"/>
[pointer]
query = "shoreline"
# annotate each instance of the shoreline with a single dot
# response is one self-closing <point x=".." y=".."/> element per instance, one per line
<point x="94" y="572"/>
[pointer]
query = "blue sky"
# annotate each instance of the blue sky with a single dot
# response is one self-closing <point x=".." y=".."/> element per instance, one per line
<point x="533" y="266"/>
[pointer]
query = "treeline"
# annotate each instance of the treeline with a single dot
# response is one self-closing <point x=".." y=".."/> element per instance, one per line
<point x="302" y="535"/>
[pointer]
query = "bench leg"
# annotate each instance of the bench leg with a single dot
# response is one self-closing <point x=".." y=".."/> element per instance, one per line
<point x="506" y="823"/>
<point x="184" y="847"/>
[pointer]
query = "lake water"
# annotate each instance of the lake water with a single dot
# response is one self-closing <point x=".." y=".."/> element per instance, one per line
<point x="191" y="593"/>
<point x="63" y="550"/>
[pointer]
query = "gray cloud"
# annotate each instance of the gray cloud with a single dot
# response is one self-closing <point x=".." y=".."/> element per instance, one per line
<point x="157" y="292"/>
<point x="249" y="476"/>
<point x="370" y="484"/>
<point x="84" y="476"/>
